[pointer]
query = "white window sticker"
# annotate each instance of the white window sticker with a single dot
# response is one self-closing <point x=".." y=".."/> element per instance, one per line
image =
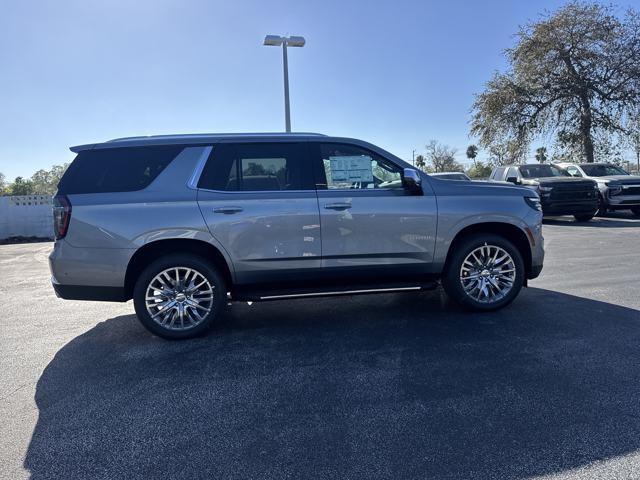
<point x="351" y="169"/>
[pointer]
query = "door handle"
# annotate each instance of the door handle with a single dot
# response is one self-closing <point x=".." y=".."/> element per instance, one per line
<point x="338" y="206"/>
<point x="227" y="210"/>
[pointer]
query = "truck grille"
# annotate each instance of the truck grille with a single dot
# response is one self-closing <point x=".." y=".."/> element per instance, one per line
<point x="635" y="190"/>
<point x="582" y="193"/>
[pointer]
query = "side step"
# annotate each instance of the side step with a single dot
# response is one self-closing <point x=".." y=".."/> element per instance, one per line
<point x="266" y="295"/>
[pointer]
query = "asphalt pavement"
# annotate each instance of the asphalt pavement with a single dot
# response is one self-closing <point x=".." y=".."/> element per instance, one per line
<point x="377" y="386"/>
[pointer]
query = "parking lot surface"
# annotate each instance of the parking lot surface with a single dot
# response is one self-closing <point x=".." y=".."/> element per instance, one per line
<point x="379" y="386"/>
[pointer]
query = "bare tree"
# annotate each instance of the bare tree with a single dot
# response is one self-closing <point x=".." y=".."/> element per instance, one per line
<point x="506" y="153"/>
<point x="442" y="157"/>
<point x="634" y="136"/>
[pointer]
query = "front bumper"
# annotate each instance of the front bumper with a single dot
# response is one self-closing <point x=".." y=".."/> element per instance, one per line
<point x="622" y="202"/>
<point x="551" y="208"/>
<point x="533" y="228"/>
<point x="534" y="272"/>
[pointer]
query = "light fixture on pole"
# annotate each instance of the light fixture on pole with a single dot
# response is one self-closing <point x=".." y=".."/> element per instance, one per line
<point x="276" y="41"/>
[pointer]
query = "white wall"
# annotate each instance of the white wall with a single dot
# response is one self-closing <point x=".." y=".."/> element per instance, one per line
<point x="26" y="216"/>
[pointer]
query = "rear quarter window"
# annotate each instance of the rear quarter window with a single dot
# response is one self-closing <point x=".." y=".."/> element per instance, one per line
<point x="122" y="169"/>
<point x="497" y="173"/>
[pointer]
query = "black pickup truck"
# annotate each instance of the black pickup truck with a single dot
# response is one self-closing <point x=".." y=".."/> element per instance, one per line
<point x="560" y="193"/>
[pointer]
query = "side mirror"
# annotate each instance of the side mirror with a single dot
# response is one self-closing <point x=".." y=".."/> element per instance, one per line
<point x="411" y="181"/>
<point x="513" y="180"/>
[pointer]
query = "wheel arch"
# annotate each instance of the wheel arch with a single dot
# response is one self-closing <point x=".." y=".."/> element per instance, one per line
<point x="511" y="232"/>
<point x="159" y="248"/>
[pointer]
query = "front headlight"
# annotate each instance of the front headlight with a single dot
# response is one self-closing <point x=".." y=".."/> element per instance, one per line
<point x="544" y="189"/>
<point x="614" y="189"/>
<point x="534" y="202"/>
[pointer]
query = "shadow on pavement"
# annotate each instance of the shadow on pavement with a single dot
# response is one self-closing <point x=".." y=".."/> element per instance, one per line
<point x="388" y="386"/>
<point x="611" y="220"/>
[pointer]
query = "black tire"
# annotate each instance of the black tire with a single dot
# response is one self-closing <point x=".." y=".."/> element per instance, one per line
<point x="635" y="212"/>
<point x="451" y="276"/>
<point x="183" y="262"/>
<point x="584" y="217"/>
<point x="602" y="208"/>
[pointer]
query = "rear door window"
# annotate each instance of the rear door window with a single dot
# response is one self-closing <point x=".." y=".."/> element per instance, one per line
<point x="257" y="167"/>
<point x="121" y="169"/>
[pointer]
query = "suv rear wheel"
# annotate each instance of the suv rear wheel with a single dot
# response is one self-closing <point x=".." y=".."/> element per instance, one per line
<point x="485" y="272"/>
<point x="179" y="296"/>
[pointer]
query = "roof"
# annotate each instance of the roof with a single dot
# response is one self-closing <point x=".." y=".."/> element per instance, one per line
<point x="211" y="138"/>
<point x="583" y="163"/>
<point x="195" y="138"/>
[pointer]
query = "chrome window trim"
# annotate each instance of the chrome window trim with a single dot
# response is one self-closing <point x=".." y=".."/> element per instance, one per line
<point x="206" y="153"/>
<point x="353" y="190"/>
<point x="242" y="192"/>
<point x="202" y="161"/>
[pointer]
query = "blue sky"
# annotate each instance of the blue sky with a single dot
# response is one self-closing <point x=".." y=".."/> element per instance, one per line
<point x="395" y="73"/>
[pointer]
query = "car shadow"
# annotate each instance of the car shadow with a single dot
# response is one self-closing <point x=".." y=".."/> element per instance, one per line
<point x="386" y="386"/>
<point x="610" y="220"/>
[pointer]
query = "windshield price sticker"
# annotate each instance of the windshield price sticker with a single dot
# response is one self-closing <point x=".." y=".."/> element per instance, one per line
<point x="351" y="169"/>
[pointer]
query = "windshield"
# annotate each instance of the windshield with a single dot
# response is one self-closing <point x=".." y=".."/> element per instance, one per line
<point x="539" y="171"/>
<point x="602" y="170"/>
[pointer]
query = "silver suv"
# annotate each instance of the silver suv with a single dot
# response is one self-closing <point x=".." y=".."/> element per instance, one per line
<point x="618" y="190"/>
<point x="185" y="224"/>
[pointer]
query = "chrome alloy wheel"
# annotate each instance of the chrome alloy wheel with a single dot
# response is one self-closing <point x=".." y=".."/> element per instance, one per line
<point x="179" y="298"/>
<point x="488" y="274"/>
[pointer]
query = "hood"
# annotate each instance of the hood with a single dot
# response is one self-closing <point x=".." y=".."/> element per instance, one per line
<point x="618" y="179"/>
<point x="556" y="180"/>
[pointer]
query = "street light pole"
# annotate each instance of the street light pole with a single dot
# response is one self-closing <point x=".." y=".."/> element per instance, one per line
<point x="276" y="41"/>
<point x="285" y="64"/>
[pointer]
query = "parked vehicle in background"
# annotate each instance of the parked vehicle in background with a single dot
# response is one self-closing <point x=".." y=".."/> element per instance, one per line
<point x="618" y="190"/>
<point x="451" y="176"/>
<point x="560" y="193"/>
<point x="183" y="224"/>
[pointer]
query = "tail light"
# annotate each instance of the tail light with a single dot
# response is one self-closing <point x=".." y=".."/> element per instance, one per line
<point x="61" y="215"/>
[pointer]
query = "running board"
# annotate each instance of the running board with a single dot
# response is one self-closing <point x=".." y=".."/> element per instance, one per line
<point x="275" y="295"/>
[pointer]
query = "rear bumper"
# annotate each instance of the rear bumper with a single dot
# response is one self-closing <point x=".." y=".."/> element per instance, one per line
<point x="83" y="292"/>
<point x="88" y="273"/>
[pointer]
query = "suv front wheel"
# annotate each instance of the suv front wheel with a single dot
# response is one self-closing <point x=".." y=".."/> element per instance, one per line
<point x="485" y="272"/>
<point x="179" y="296"/>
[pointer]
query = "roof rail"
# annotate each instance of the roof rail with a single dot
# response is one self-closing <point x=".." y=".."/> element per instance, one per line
<point x="217" y="135"/>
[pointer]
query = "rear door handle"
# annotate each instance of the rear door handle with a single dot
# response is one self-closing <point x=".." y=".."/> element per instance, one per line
<point x="227" y="210"/>
<point x="338" y="206"/>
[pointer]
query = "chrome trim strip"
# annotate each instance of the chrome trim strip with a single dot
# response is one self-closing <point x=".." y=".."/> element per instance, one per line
<point x="346" y="292"/>
<point x="254" y="191"/>
<point x="202" y="161"/>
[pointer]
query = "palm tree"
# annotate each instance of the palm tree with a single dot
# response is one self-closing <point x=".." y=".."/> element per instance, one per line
<point x="541" y="154"/>
<point x="472" y="153"/>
